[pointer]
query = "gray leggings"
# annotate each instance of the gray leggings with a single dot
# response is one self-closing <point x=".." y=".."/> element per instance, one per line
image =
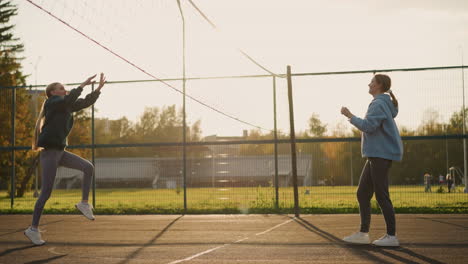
<point x="374" y="178"/>
<point x="51" y="159"/>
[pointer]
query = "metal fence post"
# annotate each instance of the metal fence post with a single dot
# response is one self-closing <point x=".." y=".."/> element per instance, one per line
<point x="276" y="145"/>
<point x="93" y="150"/>
<point x="184" y="132"/>
<point x="446" y="149"/>
<point x="465" y="162"/>
<point x="293" y="143"/>
<point x="13" y="145"/>
<point x="36" y="173"/>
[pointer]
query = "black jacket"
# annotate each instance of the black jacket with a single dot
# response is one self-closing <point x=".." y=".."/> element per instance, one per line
<point x="58" y="122"/>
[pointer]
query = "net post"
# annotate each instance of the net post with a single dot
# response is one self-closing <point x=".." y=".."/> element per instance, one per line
<point x="93" y="150"/>
<point x="293" y="143"/>
<point x="13" y="144"/>
<point x="36" y="173"/>
<point x="276" y="144"/>
<point x="465" y="161"/>
<point x="184" y="126"/>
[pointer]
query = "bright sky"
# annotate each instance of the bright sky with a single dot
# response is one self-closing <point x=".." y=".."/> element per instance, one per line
<point x="311" y="36"/>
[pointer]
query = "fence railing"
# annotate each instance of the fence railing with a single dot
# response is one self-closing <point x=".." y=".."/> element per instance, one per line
<point x="324" y="162"/>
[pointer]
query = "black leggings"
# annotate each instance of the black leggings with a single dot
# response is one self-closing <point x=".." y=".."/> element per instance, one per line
<point x="374" y="178"/>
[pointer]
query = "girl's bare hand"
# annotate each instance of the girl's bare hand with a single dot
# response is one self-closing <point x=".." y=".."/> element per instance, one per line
<point x="345" y="111"/>
<point x="102" y="81"/>
<point x="88" y="81"/>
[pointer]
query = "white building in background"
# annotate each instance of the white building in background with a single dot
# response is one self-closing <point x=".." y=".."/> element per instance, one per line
<point x="230" y="171"/>
<point x="221" y="166"/>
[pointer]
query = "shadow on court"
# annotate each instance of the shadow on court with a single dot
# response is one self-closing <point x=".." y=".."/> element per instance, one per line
<point x="149" y="243"/>
<point x="47" y="260"/>
<point x="11" y="250"/>
<point x="231" y="239"/>
<point x="366" y="249"/>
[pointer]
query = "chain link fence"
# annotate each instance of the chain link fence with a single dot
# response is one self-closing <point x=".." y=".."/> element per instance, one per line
<point x="142" y="164"/>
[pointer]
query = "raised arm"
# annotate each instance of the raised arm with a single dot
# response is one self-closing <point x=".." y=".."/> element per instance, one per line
<point x="70" y="98"/>
<point x="91" y="98"/>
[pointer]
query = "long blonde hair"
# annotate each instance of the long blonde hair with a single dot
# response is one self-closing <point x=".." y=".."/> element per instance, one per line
<point x="41" y="117"/>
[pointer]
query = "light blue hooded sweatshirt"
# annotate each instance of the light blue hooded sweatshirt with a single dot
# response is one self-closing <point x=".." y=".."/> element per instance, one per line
<point x="380" y="135"/>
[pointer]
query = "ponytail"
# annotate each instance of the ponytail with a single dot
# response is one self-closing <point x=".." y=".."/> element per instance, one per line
<point x="38" y="128"/>
<point x="394" y="100"/>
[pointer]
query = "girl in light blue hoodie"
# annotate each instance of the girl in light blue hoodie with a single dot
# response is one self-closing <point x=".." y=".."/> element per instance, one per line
<point x="381" y="144"/>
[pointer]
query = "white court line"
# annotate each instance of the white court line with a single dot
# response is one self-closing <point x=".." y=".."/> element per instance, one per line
<point x="218" y="247"/>
<point x="240" y="240"/>
<point x="52" y="250"/>
<point x="197" y="255"/>
<point x="276" y="226"/>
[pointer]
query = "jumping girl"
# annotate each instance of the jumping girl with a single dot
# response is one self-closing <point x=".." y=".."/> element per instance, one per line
<point x="50" y="137"/>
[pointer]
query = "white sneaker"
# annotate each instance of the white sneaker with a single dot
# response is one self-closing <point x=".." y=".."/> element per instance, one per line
<point x="34" y="236"/>
<point x="387" y="241"/>
<point x="86" y="209"/>
<point x="358" y="238"/>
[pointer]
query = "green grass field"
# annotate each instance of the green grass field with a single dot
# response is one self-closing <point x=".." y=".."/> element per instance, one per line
<point x="339" y="199"/>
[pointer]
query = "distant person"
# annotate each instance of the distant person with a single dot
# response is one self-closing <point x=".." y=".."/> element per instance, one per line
<point x="441" y="179"/>
<point x="381" y="144"/>
<point x="449" y="182"/>
<point x="427" y="182"/>
<point x="53" y="125"/>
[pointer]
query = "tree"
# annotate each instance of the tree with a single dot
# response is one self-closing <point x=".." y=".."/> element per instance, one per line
<point x="316" y="127"/>
<point x="430" y="123"/>
<point x="155" y="125"/>
<point x="11" y="75"/>
<point x="455" y="125"/>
